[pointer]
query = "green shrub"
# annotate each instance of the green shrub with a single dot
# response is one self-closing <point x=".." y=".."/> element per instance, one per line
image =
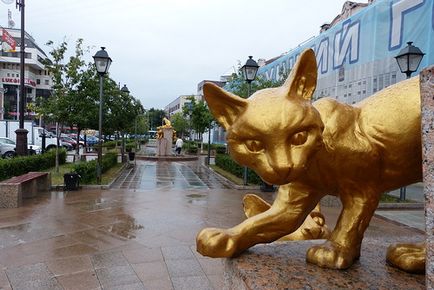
<point x="21" y="165"/>
<point x="130" y="146"/>
<point x="220" y="148"/>
<point x="190" y="147"/>
<point x="225" y="162"/>
<point x="87" y="170"/>
<point x="112" y="144"/>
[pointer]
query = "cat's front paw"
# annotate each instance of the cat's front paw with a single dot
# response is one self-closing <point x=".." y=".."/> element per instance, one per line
<point x="215" y="243"/>
<point x="407" y="257"/>
<point x="332" y="255"/>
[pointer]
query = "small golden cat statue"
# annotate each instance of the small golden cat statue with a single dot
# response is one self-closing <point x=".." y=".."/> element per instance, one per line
<point x="311" y="150"/>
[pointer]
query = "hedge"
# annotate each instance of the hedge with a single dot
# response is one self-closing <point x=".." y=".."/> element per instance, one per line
<point x="21" y="165"/>
<point x="129" y="144"/>
<point x="190" y="147"/>
<point x="87" y="170"/>
<point x="225" y="162"/>
<point x="219" y="148"/>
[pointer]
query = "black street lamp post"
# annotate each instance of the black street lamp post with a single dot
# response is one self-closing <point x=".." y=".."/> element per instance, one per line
<point x="249" y="71"/>
<point x="408" y="60"/>
<point x="21" y="147"/>
<point x="102" y="63"/>
<point x="124" y="90"/>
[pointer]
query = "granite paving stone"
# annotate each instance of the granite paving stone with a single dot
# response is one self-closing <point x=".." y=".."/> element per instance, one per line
<point x="79" y="281"/>
<point x="22" y="274"/>
<point x="151" y="270"/>
<point x="158" y="284"/>
<point x="117" y="276"/>
<point x="192" y="282"/>
<point x="142" y="255"/>
<point x="184" y="267"/>
<point x="108" y="259"/>
<point x="176" y="253"/>
<point x="69" y="265"/>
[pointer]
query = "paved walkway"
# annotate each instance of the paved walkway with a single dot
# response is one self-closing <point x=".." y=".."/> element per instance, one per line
<point x="138" y="235"/>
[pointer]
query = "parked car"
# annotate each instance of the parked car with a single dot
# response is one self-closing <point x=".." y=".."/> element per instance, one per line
<point x="90" y="140"/>
<point x="73" y="136"/>
<point x="66" y="140"/>
<point x="65" y="144"/>
<point x="8" y="146"/>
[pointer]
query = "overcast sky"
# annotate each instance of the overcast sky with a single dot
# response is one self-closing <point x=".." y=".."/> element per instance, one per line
<point x="163" y="48"/>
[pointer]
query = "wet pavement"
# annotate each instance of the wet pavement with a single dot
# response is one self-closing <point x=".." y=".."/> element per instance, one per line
<point x="138" y="235"/>
<point x="168" y="175"/>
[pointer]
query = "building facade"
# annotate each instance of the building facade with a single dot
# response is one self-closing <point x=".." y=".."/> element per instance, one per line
<point x="177" y="104"/>
<point x="38" y="81"/>
<point x="356" y="52"/>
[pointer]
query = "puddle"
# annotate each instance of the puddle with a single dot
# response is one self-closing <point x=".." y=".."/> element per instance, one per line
<point x="18" y="228"/>
<point x="196" y="195"/>
<point x="197" y="199"/>
<point x="125" y="229"/>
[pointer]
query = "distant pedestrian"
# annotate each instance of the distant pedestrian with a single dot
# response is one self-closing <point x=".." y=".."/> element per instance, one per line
<point x="178" y="146"/>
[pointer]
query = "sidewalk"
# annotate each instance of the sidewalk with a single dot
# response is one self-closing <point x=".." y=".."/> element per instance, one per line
<point x="138" y="235"/>
<point x="414" y="218"/>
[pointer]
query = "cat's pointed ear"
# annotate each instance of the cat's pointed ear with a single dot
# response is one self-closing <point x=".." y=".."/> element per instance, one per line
<point x="301" y="82"/>
<point x="225" y="107"/>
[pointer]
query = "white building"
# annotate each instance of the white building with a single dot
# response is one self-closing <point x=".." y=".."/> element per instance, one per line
<point x="37" y="80"/>
<point x="177" y="104"/>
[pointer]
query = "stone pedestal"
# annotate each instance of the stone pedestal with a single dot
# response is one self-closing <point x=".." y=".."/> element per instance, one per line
<point x="21" y="147"/>
<point x="282" y="265"/>
<point x="427" y="95"/>
<point x="164" y="145"/>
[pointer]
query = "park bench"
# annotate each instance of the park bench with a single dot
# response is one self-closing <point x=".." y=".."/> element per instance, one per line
<point x="13" y="190"/>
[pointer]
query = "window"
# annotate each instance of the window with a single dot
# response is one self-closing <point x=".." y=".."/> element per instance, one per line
<point x="38" y="81"/>
<point x="393" y="79"/>
<point x="47" y="82"/>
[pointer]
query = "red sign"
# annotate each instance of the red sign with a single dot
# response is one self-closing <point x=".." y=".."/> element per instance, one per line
<point x="9" y="43"/>
<point x="16" y="81"/>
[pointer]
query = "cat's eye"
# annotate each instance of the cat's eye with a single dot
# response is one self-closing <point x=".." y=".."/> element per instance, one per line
<point x="254" y="145"/>
<point x="299" y="138"/>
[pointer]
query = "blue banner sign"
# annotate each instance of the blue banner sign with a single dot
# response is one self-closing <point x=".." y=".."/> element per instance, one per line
<point x="356" y="56"/>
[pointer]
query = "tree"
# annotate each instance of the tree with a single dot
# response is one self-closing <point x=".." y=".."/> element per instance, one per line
<point x="180" y="123"/>
<point x="66" y="104"/>
<point x="142" y="124"/>
<point x="199" y="115"/>
<point x="75" y="99"/>
<point x="155" y="117"/>
<point x="239" y="86"/>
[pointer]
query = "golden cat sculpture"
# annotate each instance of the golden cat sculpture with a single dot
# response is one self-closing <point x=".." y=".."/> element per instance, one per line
<point x="312" y="150"/>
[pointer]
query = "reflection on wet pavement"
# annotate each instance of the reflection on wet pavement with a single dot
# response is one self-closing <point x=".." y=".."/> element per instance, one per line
<point x="167" y="175"/>
<point x="128" y="237"/>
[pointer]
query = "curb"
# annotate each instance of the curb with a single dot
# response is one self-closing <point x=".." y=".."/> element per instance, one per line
<point x="399" y="205"/>
<point x="398" y="223"/>
<point x="230" y="183"/>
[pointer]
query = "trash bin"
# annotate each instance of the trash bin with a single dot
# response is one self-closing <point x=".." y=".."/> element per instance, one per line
<point x="265" y="187"/>
<point x="131" y="155"/>
<point x="71" y="181"/>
